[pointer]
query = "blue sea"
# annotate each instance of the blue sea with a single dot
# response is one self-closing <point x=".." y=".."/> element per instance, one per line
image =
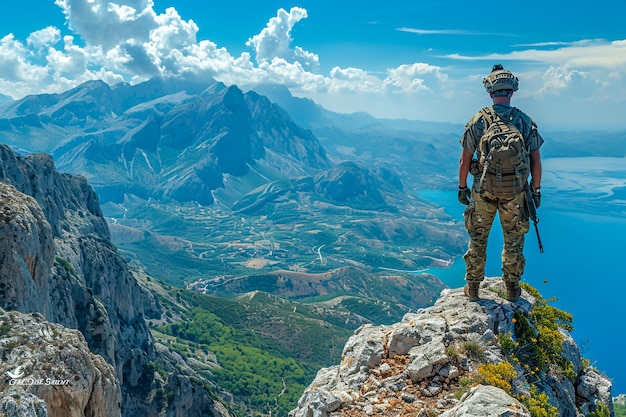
<point x="583" y="229"/>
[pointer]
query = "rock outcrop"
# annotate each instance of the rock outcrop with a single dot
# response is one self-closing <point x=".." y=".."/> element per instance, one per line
<point x="462" y="358"/>
<point x="50" y="371"/>
<point x="56" y="259"/>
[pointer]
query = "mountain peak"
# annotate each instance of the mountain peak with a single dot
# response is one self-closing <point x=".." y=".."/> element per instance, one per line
<point x="462" y="358"/>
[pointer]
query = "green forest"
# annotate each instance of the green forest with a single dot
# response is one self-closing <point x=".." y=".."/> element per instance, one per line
<point x="253" y="369"/>
<point x="272" y="362"/>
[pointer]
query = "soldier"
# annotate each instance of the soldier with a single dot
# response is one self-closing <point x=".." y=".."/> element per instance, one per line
<point x="501" y="150"/>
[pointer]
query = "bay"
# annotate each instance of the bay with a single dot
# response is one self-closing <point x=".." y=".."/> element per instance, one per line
<point x="582" y="267"/>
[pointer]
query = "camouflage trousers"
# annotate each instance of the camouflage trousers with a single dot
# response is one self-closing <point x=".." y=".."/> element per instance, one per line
<point x="479" y="217"/>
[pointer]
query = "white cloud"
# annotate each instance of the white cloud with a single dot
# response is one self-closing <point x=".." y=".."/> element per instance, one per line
<point x="108" y="24"/>
<point x="557" y="79"/>
<point x="43" y="38"/>
<point x="435" y="31"/>
<point x="353" y="80"/>
<point x="449" y="32"/>
<point x="274" y="41"/>
<point x="124" y="12"/>
<point x="418" y="77"/>
<point x="143" y="43"/>
<point x="16" y="72"/>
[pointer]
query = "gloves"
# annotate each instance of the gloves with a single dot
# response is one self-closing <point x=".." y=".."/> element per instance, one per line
<point x="464" y="195"/>
<point x="536" y="195"/>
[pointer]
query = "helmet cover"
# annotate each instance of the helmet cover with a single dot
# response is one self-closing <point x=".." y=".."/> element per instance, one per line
<point x="500" y="79"/>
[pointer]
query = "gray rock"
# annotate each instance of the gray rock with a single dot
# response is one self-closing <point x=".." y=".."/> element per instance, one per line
<point x="571" y="352"/>
<point x="487" y="401"/>
<point x="17" y="403"/>
<point x="449" y="371"/>
<point x="51" y="366"/>
<point x="594" y="386"/>
<point x="412" y="331"/>
<point x="363" y="351"/>
<point x="316" y="403"/>
<point x="426" y="360"/>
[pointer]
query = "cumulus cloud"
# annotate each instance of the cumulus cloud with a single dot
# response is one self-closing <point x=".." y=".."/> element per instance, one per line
<point x="275" y="40"/>
<point x="108" y="24"/>
<point x="353" y="79"/>
<point x="417" y="77"/>
<point x="128" y="41"/>
<point x="556" y="79"/>
<point x="142" y="42"/>
<point x="43" y="38"/>
<point x="17" y="73"/>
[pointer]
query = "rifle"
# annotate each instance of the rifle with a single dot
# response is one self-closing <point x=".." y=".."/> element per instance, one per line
<point x="532" y="213"/>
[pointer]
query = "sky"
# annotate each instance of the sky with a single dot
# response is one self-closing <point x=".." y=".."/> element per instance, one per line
<point x="419" y="59"/>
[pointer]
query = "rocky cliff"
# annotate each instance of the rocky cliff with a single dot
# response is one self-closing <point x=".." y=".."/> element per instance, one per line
<point x="56" y="260"/>
<point x="461" y="358"/>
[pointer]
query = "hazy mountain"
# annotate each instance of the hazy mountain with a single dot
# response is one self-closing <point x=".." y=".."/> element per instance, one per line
<point x="584" y="143"/>
<point x="152" y="151"/>
<point x="424" y="153"/>
<point x="42" y="123"/>
<point x="311" y="115"/>
<point x="162" y="139"/>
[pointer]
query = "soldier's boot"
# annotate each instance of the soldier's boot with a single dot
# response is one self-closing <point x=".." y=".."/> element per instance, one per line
<point x="513" y="290"/>
<point x="471" y="290"/>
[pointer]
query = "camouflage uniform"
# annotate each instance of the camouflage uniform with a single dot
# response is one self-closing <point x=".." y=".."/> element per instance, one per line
<point x="480" y="213"/>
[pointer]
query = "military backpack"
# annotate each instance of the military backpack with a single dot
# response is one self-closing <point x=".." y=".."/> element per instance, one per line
<point x="503" y="160"/>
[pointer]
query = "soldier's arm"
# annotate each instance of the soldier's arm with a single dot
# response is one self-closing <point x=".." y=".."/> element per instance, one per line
<point x="535" y="168"/>
<point x="473" y="130"/>
<point x="464" y="167"/>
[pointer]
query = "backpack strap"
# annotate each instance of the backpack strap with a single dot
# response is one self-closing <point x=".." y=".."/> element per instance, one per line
<point x="487" y="115"/>
<point x="488" y="120"/>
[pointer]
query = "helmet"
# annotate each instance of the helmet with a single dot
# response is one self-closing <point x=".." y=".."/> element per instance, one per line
<point x="500" y="79"/>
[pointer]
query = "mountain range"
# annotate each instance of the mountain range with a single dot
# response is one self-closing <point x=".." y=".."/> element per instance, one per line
<point x="171" y="159"/>
<point x="156" y="140"/>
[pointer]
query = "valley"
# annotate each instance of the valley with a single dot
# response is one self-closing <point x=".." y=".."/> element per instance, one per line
<point x="184" y="243"/>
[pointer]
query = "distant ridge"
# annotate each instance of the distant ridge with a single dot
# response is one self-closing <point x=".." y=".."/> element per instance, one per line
<point x="309" y="114"/>
<point x="173" y="139"/>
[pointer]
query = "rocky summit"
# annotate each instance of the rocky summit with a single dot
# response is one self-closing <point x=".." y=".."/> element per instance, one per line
<point x="489" y="357"/>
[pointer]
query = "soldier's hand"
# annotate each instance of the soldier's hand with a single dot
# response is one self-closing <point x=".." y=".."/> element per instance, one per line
<point x="464" y="195"/>
<point x="536" y="196"/>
